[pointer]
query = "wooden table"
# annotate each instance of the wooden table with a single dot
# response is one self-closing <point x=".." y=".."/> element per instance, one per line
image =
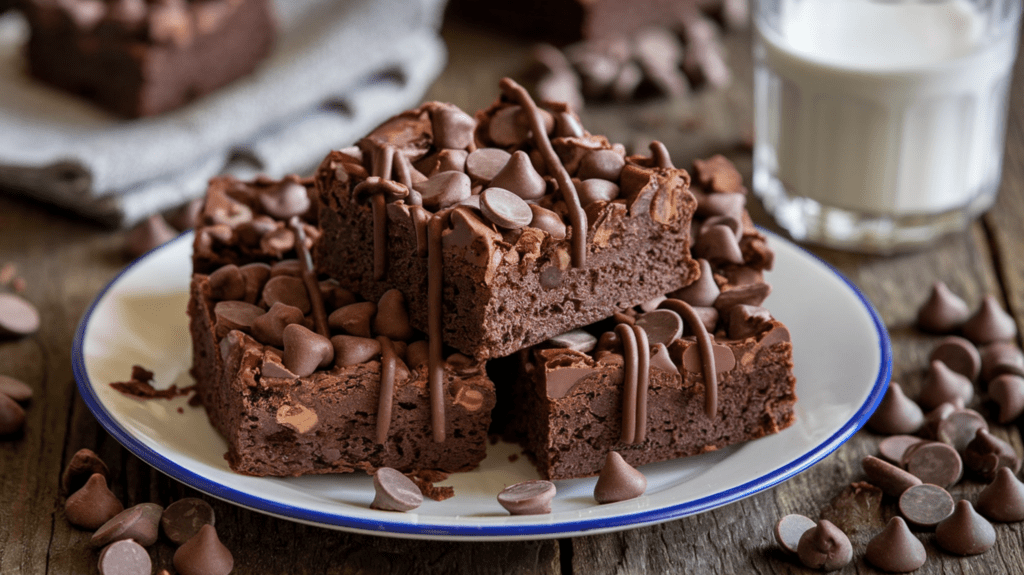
<point x="65" y="262"/>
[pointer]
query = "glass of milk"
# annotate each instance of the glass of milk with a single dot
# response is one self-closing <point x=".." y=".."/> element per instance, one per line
<point x="880" y="123"/>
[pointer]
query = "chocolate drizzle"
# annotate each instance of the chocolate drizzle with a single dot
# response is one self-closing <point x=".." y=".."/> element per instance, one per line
<point x="643" y="382"/>
<point x="316" y="299"/>
<point x="707" y="355"/>
<point x="636" y="351"/>
<point x="387" y="387"/>
<point x="577" y="217"/>
<point x="383" y="159"/>
<point x="435" y="363"/>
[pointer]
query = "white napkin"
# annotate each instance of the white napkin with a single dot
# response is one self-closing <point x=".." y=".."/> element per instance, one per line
<point x="338" y="70"/>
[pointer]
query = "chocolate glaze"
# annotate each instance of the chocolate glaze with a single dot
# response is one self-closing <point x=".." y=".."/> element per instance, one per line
<point x="316" y="298"/>
<point x="706" y="352"/>
<point x="420" y="217"/>
<point x="629" y="381"/>
<point x="577" y="216"/>
<point x="387" y="387"/>
<point x="435" y="363"/>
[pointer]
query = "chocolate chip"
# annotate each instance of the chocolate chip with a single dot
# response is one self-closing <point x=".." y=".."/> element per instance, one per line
<point x="789" y="529"/>
<point x="505" y="209"/>
<point x="125" y="557"/>
<point x="824" y="547"/>
<point x="235" y="315"/>
<point x="596" y="190"/>
<point x="256" y="276"/>
<point x="452" y="127"/>
<point x="392" y="319"/>
<point x="531" y="497"/>
<point x="959" y="427"/>
<point x="943" y="312"/>
<point x="747" y="321"/>
<point x="151" y="233"/>
<point x="84" y="463"/>
<point x="986" y="453"/>
<point x="933" y="418"/>
<point x="278" y="241"/>
<point x="485" y="163"/>
<point x="1001" y="357"/>
<point x="749" y="294"/>
<point x="286" y="289"/>
<point x="519" y="177"/>
<point x="182" y="519"/>
<point x="305" y="351"/>
<point x="290" y="267"/>
<point x="718" y="245"/>
<point x="288" y="199"/>
<point x="417" y="353"/>
<point x="1008" y="393"/>
<point x="709" y="205"/>
<point x="451" y="161"/>
<point x="15" y="389"/>
<point x="662" y="326"/>
<point x="18" y="317"/>
<point x="896" y="414"/>
<point x="1003" y="499"/>
<point x="924" y="506"/>
<point x="394" y="491"/>
<point x="12" y="416"/>
<point x="576" y="340"/>
<point x="893" y="448"/>
<point x="990" y="323"/>
<point x="618" y="481"/>
<point x="187" y="216"/>
<point x="227" y="283"/>
<point x="140" y="523"/>
<point x="960" y="355"/>
<point x="268" y="328"/>
<point x="444" y="189"/>
<point x="353" y="350"/>
<point x="504" y="128"/>
<point x="335" y="296"/>
<point x="942" y="384"/>
<point x="703" y="292"/>
<point x="890" y="479"/>
<point x="935" y="463"/>
<point x="895" y="549"/>
<point x="965" y="532"/>
<point x="603" y="164"/>
<point x="548" y="222"/>
<point x="661" y="359"/>
<point x="204" y="554"/>
<point x="354" y="319"/>
<point x="92" y="505"/>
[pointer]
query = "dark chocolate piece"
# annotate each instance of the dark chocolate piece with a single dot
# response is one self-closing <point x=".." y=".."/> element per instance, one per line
<point x="531" y="497"/>
<point x="1003" y="499"/>
<point x="890" y="479"/>
<point x="943" y="312"/>
<point x="140" y="523"/>
<point x="825" y="547"/>
<point x="204" y="554"/>
<point x="394" y="491"/>
<point x="619" y="481"/>
<point x="990" y="323"/>
<point x="92" y="505"/>
<point x="986" y="454"/>
<point x="182" y="519"/>
<point x="965" y="532"/>
<point x="895" y="549"/>
<point x="1008" y="392"/>
<point x="84" y="463"/>
<point x="790" y="529"/>
<point x="924" y="506"/>
<point x="942" y="384"/>
<point x="896" y="414"/>
<point x="960" y="355"/>
<point x="893" y="448"/>
<point x="935" y="463"/>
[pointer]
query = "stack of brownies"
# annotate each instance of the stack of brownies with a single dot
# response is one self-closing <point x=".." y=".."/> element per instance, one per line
<point x="450" y="269"/>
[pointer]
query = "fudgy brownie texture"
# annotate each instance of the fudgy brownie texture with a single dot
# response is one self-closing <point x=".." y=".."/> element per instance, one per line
<point x="283" y="418"/>
<point x="137" y="58"/>
<point x="536" y="235"/>
<point x="246" y="222"/>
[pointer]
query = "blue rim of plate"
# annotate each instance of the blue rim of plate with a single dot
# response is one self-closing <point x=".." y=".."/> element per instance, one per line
<point x="484" y="532"/>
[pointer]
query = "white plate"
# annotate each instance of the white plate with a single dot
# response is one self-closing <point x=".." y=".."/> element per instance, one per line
<point x="843" y="364"/>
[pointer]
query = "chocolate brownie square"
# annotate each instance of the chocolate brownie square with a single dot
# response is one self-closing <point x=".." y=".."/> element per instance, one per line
<point x="504" y="229"/>
<point x="140" y="58"/>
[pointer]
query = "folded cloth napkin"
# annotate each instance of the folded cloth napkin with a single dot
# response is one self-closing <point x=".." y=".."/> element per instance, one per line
<point x="337" y="70"/>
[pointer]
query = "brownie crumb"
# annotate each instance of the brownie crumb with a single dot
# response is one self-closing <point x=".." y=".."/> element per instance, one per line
<point x="139" y="386"/>
<point x="425" y="480"/>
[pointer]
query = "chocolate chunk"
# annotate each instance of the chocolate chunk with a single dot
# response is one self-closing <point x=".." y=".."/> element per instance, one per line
<point x="943" y="312"/>
<point x="1008" y="393"/>
<point x="548" y="222"/>
<point x="703" y="292"/>
<point x="965" y="532"/>
<point x="662" y="326"/>
<point x="990" y="323"/>
<point x="790" y="529"/>
<point x="84" y="463"/>
<point x="305" y="351"/>
<point x="896" y="549"/>
<point x="531" y="497"/>
<point x="92" y="505"/>
<point x="394" y="491"/>
<point x="520" y="177"/>
<point x="452" y="127"/>
<point x="125" y="557"/>
<point x="935" y="463"/>
<point x="269" y="328"/>
<point x="986" y="453"/>
<point x="151" y="233"/>
<point x="576" y="340"/>
<point x="596" y="190"/>
<point x="286" y="289"/>
<point x="227" y="283"/>
<point x="353" y="350"/>
<point x="942" y="384"/>
<point x="18" y="317"/>
<point x="505" y="209"/>
<point x="824" y="547"/>
<point x="603" y="164"/>
<point x="924" y="506"/>
<point x="749" y="294"/>
<point x="392" y="318"/>
<point x="141" y="523"/>
<point x="15" y="389"/>
<point x="1003" y="499"/>
<point x="12" y="416"/>
<point x="354" y="319"/>
<point x="235" y="315"/>
<point x="444" y="189"/>
<point x="485" y="163"/>
<point x="718" y="245"/>
<point x="182" y="519"/>
<point x="1001" y="357"/>
<point x="892" y="448"/>
<point x="618" y="481"/>
<point x="203" y="554"/>
<point x="896" y="414"/>
<point x="890" y="479"/>
<point x="286" y="200"/>
<point x="960" y="355"/>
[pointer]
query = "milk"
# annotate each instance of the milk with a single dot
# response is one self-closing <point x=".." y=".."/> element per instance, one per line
<point x="881" y="108"/>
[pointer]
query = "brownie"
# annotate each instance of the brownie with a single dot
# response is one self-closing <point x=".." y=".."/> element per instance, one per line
<point x="534" y="235"/>
<point x="137" y="58"/>
<point x="281" y="421"/>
